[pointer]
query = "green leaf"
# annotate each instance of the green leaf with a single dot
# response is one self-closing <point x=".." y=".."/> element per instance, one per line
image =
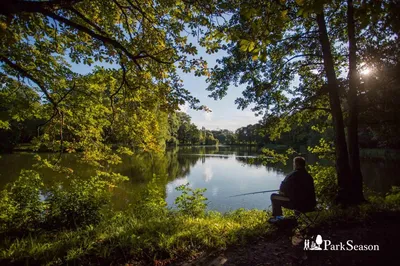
<point x="4" y="125"/>
<point x="284" y="14"/>
<point x="251" y="46"/>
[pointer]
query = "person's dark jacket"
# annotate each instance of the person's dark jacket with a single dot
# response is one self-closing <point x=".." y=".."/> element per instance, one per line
<point x="298" y="186"/>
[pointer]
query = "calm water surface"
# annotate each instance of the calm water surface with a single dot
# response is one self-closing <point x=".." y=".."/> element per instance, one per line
<point x="224" y="171"/>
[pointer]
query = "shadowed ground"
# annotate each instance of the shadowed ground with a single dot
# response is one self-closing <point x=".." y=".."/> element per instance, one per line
<point x="380" y="229"/>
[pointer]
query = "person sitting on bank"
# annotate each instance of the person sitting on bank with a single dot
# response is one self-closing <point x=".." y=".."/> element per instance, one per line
<point x="296" y="192"/>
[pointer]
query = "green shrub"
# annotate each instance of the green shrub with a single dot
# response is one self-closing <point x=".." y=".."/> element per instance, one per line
<point x="21" y="207"/>
<point x="77" y="205"/>
<point x="26" y="205"/>
<point x="393" y="197"/>
<point x="152" y="202"/>
<point x="325" y="178"/>
<point x="191" y="201"/>
<point x="390" y="201"/>
<point x="325" y="183"/>
<point x="80" y="232"/>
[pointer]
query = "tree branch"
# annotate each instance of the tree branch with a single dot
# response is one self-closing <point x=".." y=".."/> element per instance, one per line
<point x="10" y="7"/>
<point x="104" y="39"/>
<point x="126" y="18"/>
<point x="303" y="35"/>
<point x="29" y="76"/>
<point x="312" y="108"/>
<point x="66" y="94"/>
<point x="43" y="124"/>
<point x="139" y="9"/>
<point x="80" y="15"/>
<point x="297" y="56"/>
<point x="144" y="54"/>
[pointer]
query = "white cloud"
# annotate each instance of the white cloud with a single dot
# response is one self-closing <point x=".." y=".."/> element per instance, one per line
<point x="208" y="173"/>
<point x="208" y="116"/>
<point x="176" y="183"/>
<point x="184" y="107"/>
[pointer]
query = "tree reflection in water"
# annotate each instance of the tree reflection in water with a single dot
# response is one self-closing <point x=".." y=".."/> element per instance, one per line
<point x="223" y="170"/>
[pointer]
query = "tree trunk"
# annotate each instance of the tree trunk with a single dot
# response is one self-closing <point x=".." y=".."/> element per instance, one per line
<point x="342" y="160"/>
<point x="352" y="132"/>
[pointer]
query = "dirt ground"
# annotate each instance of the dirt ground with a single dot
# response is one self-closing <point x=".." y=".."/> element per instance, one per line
<point x="285" y="248"/>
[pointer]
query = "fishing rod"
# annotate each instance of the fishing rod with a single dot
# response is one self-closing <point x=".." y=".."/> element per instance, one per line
<point x="257" y="192"/>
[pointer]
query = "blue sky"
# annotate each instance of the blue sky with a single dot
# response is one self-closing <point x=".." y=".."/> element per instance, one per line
<point x="224" y="115"/>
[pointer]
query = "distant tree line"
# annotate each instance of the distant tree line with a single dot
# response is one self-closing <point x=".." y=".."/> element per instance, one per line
<point x="379" y="125"/>
<point x="183" y="132"/>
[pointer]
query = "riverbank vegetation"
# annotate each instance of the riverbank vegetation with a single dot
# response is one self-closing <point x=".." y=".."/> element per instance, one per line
<point x="79" y="225"/>
<point x="322" y="74"/>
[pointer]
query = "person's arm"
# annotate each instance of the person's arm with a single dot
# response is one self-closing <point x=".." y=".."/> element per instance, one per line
<point x="284" y="189"/>
<point x="287" y="186"/>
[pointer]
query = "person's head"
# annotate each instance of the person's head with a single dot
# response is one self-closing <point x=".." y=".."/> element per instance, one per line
<point x="299" y="163"/>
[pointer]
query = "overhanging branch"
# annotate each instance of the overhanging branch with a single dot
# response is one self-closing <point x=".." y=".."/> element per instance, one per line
<point x="104" y="39"/>
<point x="312" y="108"/>
<point x="25" y="73"/>
<point x="88" y="21"/>
<point x="10" y="7"/>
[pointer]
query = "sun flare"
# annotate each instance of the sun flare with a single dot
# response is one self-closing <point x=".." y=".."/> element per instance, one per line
<point x="365" y="71"/>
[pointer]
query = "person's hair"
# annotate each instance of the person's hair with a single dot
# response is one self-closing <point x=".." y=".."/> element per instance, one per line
<point x="299" y="162"/>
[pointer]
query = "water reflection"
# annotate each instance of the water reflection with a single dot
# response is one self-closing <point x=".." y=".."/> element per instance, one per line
<point x="208" y="173"/>
<point x="228" y="172"/>
<point x="223" y="170"/>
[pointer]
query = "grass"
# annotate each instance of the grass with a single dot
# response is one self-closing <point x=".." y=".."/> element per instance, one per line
<point x="79" y="226"/>
<point x="146" y="232"/>
<point x="126" y="236"/>
<point x="162" y="235"/>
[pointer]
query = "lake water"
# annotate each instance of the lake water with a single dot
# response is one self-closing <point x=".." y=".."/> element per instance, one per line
<point x="224" y="171"/>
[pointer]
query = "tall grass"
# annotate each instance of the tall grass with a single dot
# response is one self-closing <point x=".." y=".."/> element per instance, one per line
<point x="127" y="235"/>
<point x="147" y="231"/>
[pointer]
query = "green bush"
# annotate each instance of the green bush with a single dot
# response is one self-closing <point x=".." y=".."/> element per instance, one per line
<point x="80" y="232"/>
<point x="147" y="230"/>
<point x="191" y="201"/>
<point x="325" y="183"/>
<point x="152" y="202"/>
<point x="393" y="197"/>
<point x="390" y="201"/>
<point x="26" y="205"/>
<point x="325" y="178"/>
<point x="21" y="207"/>
<point x="77" y="205"/>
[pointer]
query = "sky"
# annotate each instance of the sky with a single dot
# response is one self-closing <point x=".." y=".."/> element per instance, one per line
<point x="224" y="115"/>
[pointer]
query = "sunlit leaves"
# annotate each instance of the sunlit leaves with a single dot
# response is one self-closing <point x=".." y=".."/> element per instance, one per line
<point x="271" y="156"/>
<point x="247" y="46"/>
<point x="4" y="125"/>
<point x="325" y="183"/>
<point x="191" y="201"/>
<point x="324" y="150"/>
